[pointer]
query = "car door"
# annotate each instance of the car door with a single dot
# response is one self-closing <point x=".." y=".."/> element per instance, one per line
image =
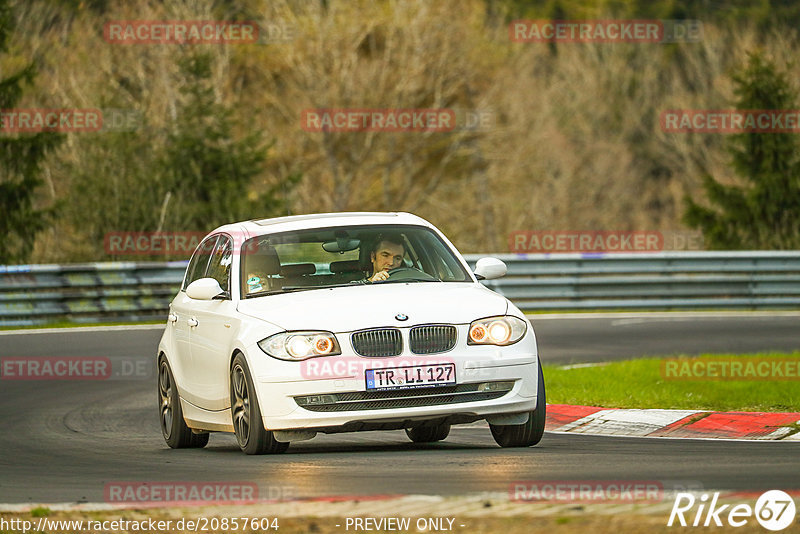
<point x="212" y="335"/>
<point x="181" y="311"/>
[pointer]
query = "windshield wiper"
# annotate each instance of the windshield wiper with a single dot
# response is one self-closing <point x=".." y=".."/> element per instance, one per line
<point x="277" y="291"/>
<point x="326" y="286"/>
<point x="408" y="280"/>
<point x="291" y="289"/>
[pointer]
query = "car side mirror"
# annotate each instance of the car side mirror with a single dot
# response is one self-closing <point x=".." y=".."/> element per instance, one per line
<point x="203" y="289"/>
<point x="489" y="269"/>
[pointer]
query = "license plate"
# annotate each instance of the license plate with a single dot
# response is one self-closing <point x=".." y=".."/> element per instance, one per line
<point x="414" y="376"/>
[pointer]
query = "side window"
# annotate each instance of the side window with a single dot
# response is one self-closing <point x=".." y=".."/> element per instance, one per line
<point x="447" y="268"/>
<point x="199" y="262"/>
<point x="220" y="266"/>
<point x="437" y="260"/>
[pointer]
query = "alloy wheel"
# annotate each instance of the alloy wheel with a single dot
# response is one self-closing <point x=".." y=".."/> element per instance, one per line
<point x="165" y="389"/>
<point x="241" y="405"/>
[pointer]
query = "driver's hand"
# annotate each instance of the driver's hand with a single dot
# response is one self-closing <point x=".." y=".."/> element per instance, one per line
<point x="379" y="276"/>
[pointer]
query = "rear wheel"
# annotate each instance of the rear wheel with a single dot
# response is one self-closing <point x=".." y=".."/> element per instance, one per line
<point x="428" y="434"/>
<point x="530" y="432"/>
<point x="248" y="426"/>
<point x="173" y="427"/>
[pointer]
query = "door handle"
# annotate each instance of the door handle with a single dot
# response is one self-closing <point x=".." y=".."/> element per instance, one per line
<point x="172" y="318"/>
<point x="192" y="322"/>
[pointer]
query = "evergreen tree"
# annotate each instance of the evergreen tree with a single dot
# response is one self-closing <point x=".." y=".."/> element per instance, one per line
<point x="764" y="212"/>
<point x="21" y="156"/>
<point x="210" y="172"/>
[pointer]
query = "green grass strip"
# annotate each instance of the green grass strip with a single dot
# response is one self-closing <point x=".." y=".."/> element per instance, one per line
<point x="644" y="383"/>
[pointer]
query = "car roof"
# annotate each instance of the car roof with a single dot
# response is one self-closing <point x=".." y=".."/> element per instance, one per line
<point x="257" y="227"/>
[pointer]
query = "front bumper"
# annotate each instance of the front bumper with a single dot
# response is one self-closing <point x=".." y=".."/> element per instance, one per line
<point x="358" y="409"/>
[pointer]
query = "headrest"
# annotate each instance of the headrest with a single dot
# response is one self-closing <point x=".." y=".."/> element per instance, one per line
<point x="264" y="260"/>
<point x="298" y="269"/>
<point x="345" y="266"/>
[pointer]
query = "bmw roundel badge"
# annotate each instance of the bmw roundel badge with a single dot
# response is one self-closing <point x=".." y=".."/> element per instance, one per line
<point x="401" y="317"/>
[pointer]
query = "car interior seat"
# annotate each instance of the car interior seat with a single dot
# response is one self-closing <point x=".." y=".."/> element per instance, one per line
<point x="298" y="274"/>
<point x="264" y="265"/>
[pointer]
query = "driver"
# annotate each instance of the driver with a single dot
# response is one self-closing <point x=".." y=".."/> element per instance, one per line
<point x="387" y="254"/>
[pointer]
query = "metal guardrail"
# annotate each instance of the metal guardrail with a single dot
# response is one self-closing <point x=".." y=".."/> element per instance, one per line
<point x="38" y="294"/>
<point x="751" y="280"/>
<point x="91" y="292"/>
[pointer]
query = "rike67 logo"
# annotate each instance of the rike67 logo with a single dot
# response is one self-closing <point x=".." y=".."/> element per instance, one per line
<point x="774" y="510"/>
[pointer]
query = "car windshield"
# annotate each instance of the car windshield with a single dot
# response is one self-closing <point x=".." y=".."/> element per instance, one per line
<point x="337" y="256"/>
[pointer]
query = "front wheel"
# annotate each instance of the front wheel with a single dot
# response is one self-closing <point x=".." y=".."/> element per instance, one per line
<point x="530" y="432"/>
<point x="173" y="427"/>
<point x="248" y="426"/>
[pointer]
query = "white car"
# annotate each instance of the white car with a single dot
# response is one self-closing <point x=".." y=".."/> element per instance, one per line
<point x="343" y="322"/>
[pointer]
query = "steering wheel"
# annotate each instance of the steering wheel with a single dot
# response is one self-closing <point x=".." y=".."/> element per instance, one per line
<point x="408" y="273"/>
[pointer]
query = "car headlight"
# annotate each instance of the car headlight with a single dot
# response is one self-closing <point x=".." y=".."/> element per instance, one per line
<point x="500" y="330"/>
<point x="295" y="346"/>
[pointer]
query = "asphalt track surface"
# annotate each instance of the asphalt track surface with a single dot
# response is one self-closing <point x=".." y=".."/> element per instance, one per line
<point x="64" y="441"/>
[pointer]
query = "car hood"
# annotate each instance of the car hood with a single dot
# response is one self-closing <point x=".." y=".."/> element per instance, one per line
<point x="344" y="309"/>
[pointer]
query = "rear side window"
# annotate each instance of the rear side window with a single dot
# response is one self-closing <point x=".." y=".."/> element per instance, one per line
<point x="199" y="262"/>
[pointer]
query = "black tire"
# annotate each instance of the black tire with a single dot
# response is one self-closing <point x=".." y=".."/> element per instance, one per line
<point x="248" y="426"/>
<point x="173" y="427"/>
<point x="428" y="434"/>
<point x="530" y="432"/>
